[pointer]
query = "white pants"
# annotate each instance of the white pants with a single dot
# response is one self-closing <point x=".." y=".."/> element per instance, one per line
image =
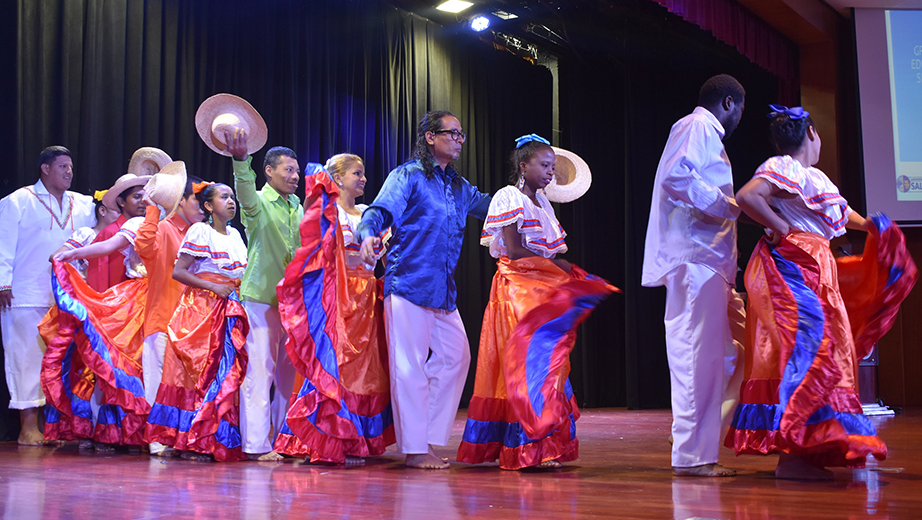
<point x="428" y="358"/>
<point x="702" y="358"/>
<point x="152" y="364"/>
<point x="268" y="364"/>
<point x="23" y="350"/>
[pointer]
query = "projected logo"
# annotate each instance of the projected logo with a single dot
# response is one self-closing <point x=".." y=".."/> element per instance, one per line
<point x="906" y="184"/>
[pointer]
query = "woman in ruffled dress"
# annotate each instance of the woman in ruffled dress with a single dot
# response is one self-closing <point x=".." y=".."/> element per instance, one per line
<point x="811" y="317"/>
<point x="340" y="412"/>
<point x="197" y="410"/>
<point x="523" y="411"/>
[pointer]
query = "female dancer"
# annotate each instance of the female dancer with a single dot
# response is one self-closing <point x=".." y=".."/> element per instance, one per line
<point x="196" y="410"/>
<point x="811" y="318"/>
<point x="523" y="411"/>
<point x="85" y="235"/>
<point x="340" y="411"/>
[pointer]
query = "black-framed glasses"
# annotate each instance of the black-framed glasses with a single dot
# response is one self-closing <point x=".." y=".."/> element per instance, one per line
<point x="456" y="135"/>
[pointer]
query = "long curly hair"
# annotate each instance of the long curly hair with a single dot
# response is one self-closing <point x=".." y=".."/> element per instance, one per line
<point x="431" y="122"/>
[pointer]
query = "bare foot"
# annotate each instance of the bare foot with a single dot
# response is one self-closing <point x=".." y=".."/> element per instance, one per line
<point x="103" y="448"/>
<point x="549" y="464"/>
<point x="794" y="467"/>
<point x="704" y="470"/>
<point x="425" y="461"/>
<point x="266" y="457"/>
<point x="29" y="434"/>
<point x="198" y="457"/>
<point x="354" y="461"/>
<point x="167" y="453"/>
<point x="85" y="444"/>
<point x="31" y="439"/>
<point x="432" y="452"/>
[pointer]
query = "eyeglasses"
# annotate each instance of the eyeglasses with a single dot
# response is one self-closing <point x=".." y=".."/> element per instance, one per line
<point x="456" y="135"/>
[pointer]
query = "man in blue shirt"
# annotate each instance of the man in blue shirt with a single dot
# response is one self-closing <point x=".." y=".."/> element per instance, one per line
<point x="426" y="204"/>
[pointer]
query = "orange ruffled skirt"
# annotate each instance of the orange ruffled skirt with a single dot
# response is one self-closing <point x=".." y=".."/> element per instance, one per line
<point x="197" y="407"/>
<point x="523" y="411"/>
<point x="94" y="339"/>
<point x="810" y="320"/>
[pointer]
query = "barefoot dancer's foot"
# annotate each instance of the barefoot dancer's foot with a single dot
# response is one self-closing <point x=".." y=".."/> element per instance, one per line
<point x="550" y="464"/>
<point x="265" y="457"/>
<point x="425" y="461"/>
<point x="432" y="452"/>
<point x="29" y="434"/>
<point x="705" y="470"/>
<point x="794" y="467"/>
<point x="85" y="444"/>
<point x="354" y="461"/>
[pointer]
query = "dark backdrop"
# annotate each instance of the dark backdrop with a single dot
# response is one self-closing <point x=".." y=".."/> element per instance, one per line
<point x="106" y="77"/>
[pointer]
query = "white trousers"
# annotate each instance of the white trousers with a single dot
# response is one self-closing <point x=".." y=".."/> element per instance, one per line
<point x="260" y="419"/>
<point x="702" y="359"/>
<point x="23" y="349"/>
<point x="152" y="364"/>
<point x="428" y="358"/>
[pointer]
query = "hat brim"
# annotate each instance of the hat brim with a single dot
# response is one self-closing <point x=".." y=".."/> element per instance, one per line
<point x="167" y="186"/>
<point x="121" y="185"/>
<point x="575" y="171"/>
<point x="221" y="104"/>
<point x="148" y="161"/>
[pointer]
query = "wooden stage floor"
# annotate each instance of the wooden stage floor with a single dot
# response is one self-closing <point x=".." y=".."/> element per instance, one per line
<point x="623" y="472"/>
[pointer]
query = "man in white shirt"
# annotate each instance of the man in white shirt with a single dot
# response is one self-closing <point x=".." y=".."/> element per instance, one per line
<point x="691" y="249"/>
<point x="36" y="220"/>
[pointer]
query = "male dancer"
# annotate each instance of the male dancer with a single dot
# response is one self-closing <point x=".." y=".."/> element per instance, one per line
<point x="691" y="249"/>
<point x="426" y="204"/>
<point x="36" y="220"/>
<point x="271" y="217"/>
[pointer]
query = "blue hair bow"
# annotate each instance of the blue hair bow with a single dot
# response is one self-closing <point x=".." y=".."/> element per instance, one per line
<point x="793" y="113"/>
<point x="529" y="138"/>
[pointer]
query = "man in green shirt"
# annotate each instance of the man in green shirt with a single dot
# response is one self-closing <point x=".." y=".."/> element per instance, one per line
<point x="271" y="217"/>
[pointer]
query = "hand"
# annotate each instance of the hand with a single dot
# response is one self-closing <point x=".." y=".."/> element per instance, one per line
<point x="774" y="238"/>
<point x="6" y="299"/>
<point x="222" y="290"/>
<point x="368" y="249"/>
<point x="236" y="144"/>
<point x="66" y="256"/>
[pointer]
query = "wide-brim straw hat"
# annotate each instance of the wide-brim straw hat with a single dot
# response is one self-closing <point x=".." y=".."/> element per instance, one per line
<point x="166" y="188"/>
<point x="148" y="161"/>
<point x="572" y="177"/>
<point x="129" y="180"/>
<point x="228" y="112"/>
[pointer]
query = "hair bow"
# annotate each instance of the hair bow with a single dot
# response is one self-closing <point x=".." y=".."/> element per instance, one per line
<point x="793" y="113"/>
<point x="529" y="138"/>
<point x="199" y="186"/>
<point x="99" y="195"/>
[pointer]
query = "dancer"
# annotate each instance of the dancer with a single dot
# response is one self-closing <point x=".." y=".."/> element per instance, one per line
<point x="532" y="287"/>
<point x="36" y="220"/>
<point x="85" y="235"/>
<point x="340" y="412"/>
<point x="426" y="202"/>
<point x="811" y="317"/>
<point x="196" y="410"/>
<point x="691" y="249"/>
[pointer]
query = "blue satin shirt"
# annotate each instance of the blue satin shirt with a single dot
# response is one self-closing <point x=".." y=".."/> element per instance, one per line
<point x="427" y="219"/>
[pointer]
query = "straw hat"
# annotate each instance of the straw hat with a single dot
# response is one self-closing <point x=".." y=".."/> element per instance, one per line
<point x="228" y="112"/>
<point x="148" y="160"/>
<point x="572" y="177"/>
<point x="166" y="188"/>
<point x="129" y="180"/>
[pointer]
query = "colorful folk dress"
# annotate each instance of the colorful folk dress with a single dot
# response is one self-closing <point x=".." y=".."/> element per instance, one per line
<point x="523" y="411"/>
<point x="96" y="339"/>
<point x="197" y="407"/>
<point x="810" y="320"/>
<point x="329" y="304"/>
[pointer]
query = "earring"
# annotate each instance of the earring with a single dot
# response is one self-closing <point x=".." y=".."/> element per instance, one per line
<point x="521" y="182"/>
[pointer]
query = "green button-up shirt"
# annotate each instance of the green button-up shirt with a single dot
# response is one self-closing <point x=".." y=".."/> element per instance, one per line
<point x="271" y="223"/>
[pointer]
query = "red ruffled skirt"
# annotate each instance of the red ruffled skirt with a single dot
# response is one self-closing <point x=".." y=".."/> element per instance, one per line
<point x="197" y="405"/>
<point x="94" y="339"/>
<point x="810" y="320"/>
<point x="523" y="411"/>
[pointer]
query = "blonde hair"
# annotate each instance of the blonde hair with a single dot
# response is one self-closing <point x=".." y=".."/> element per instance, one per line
<point x="339" y="163"/>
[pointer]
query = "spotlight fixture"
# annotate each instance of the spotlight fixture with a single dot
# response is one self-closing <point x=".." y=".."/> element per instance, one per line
<point x="480" y="23"/>
<point x="454" y="6"/>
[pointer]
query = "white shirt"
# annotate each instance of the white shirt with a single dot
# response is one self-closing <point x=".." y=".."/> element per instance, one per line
<point x="693" y="212"/>
<point x="215" y="253"/>
<point x="81" y="238"/>
<point x="817" y="208"/>
<point x="134" y="266"/>
<point x="35" y="226"/>
<point x="348" y="224"/>
<point x="539" y="228"/>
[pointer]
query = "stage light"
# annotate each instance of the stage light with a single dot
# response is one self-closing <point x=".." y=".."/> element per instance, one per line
<point x="454" y="6"/>
<point x="480" y="23"/>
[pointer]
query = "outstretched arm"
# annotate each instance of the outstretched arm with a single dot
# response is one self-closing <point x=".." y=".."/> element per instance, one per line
<point x="104" y="248"/>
